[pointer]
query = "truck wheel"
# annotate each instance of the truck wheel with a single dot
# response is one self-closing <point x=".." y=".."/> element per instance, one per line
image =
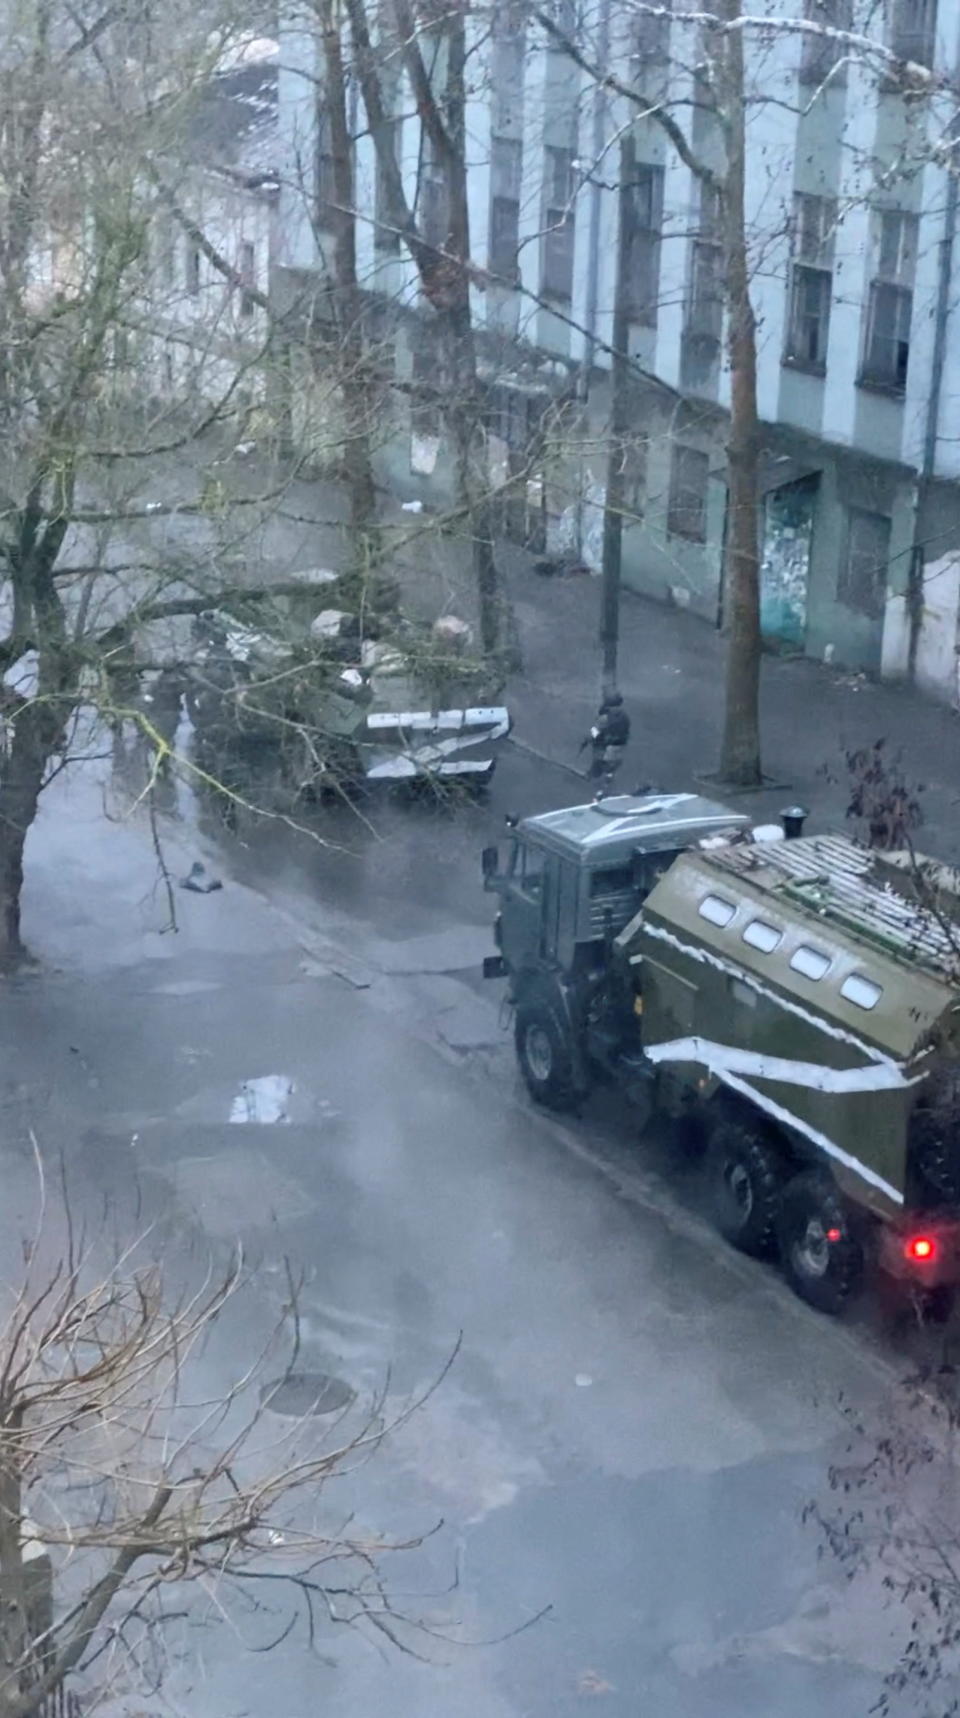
<point x="822" y="1260"/>
<point x="544" y="1056"/>
<point x="745" y="1173"/>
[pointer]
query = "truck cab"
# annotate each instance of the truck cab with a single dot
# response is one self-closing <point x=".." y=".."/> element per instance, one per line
<point x="570" y="882"/>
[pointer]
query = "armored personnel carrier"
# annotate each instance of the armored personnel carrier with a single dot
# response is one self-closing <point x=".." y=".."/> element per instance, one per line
<point x="793" y="1004"/>
<point x="256" y="696"/>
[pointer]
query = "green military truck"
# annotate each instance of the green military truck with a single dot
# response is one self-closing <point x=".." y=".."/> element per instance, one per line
<point x="793" y="1004"/>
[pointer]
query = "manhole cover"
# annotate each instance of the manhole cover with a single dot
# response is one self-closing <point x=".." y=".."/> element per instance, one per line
<point x="302" y="1393"/>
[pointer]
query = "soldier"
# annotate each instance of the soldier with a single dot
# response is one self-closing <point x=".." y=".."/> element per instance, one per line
<point x="608" y="738"/>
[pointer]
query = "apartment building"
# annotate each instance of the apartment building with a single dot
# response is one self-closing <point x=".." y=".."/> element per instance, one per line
<point x="208" y="327"/>
<point x="855" y="274"/>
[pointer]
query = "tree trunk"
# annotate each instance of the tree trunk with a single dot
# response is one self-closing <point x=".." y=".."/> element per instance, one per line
<point x="444" y="274"/>
<point x="465" y="413"/>
<point x="740" y="750"/>
<point x="20" y="784"/>
<point x="615" y="498"/>
<point x="355" y="389"/>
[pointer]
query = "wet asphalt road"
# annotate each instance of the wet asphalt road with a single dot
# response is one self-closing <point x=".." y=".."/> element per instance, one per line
<point x="635" y="1417"/>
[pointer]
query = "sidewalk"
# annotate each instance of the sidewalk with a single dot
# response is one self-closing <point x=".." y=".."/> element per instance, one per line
<point x="671" y="672"/>
<point x="671" y="675"/>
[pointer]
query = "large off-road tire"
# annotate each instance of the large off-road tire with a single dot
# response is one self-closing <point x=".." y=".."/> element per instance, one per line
<point x="745" y="1172"/>
<point x="544" y="1054"/>
<point x="822" y="1260"/>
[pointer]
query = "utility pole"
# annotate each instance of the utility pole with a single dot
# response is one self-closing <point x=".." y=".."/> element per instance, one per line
<point x="619" y="426"/>
<point x="598" y="148"/>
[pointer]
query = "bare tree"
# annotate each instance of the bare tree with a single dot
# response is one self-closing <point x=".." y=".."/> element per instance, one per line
<point x="122" y="509"/>
<point x="348" y="301"/>
<point x="889" y="1519"/>
<point x="444" y="269"/>
<point x="126" y="1485"/>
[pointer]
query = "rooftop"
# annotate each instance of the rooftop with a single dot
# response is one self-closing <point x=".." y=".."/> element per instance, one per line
<point x="848" y="886"/>
<point x="615" y="826"/>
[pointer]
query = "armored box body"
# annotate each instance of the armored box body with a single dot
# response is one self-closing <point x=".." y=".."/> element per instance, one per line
<point x="796" y="976"/>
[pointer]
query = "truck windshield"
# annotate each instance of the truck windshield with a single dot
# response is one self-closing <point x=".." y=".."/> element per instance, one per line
<point x="528" y="870"/>
<point x="612" y="881"/>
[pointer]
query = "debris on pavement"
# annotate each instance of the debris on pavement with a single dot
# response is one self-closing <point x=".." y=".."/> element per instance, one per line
<point x="264" y="1099"/>
<point x="199" y="880"/>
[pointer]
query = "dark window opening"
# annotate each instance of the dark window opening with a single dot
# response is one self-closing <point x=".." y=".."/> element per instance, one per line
<point x="862" y="584"/>
<point x="559" y="225"/>
<point x="687" y="507"/>
<point x="643" y="221"/>
<point x="821" y="54"/>
<point x="913" y="29"/>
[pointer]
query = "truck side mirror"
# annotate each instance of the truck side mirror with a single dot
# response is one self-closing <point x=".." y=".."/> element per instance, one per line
<point x="490" y="862"/>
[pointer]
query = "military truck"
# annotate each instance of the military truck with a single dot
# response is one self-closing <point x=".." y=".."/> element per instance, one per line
<point x="791" y="1004"/>
<point x="255" y="696"/>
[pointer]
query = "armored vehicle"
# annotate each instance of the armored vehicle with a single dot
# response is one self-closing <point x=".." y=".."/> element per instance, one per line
<point x="792" y="1004"/>
<point x="334" y="727"/>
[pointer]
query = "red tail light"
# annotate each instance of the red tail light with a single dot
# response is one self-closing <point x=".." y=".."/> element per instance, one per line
<point x="921" y="1249"/>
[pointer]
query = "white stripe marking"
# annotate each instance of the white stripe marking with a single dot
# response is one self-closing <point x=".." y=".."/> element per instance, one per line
<point x="812" y="1133"/>
<point x="725" y="1058"/>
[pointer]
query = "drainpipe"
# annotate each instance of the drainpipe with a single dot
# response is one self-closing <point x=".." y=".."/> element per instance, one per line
<point x="932" y="422"/>
<point x="597" y="145"/>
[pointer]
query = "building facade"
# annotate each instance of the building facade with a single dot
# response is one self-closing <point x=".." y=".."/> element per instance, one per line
<point x="855" y="276"/>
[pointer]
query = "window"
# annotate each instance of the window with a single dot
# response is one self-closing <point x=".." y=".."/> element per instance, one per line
<point x="811" y="281"/>
<point x="886" y="352"/>
<point x="810" y="293"/>
<point x="531" y="871"/>
<point x="643" y="219"/>
<point x="705" y="302"/>
<point x="558" y="236"/>
<point x="716" y="910"/>
<point x="861" y="990"/>
<point x="507" y="55"/>
<point x="810" y="962"/>
<point x="687" y="506"/>
<point x="913" y="27"/>
<point x="193" y="269"/>
<point x="612" y="882"/>
<point x="762" y="936"/>
<point x="564" y="15"/>
<point x="434" y="221"/>
<point x="505" y="166"/>
<point x="247" y="272"/>
<point x="862" y="583"/>
<point x="326" y="188"/>
<point x="897" y="258"/>
<point x="819" y="54"/>
<point x="651" y="40"/>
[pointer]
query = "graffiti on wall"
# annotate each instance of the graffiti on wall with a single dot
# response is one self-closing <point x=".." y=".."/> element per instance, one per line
<point x="785" y="562"/>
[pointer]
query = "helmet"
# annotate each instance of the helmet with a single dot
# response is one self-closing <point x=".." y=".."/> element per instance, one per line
<point x="612" y="701"/>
